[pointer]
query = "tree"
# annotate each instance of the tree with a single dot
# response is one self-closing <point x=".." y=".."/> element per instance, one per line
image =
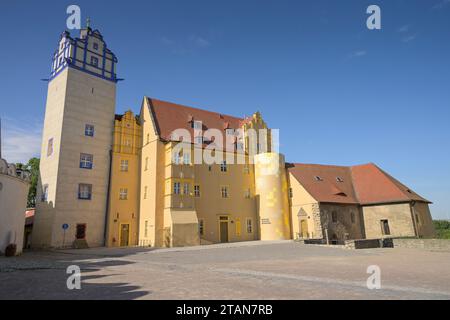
<point x="33" y="167"/>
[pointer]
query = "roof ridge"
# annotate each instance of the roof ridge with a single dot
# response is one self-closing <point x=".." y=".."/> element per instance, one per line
<point x="195" y="108"/>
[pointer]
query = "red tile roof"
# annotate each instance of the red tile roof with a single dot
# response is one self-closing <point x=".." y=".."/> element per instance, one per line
<point x="170" y="116"/>
<point x="362" y="184"/>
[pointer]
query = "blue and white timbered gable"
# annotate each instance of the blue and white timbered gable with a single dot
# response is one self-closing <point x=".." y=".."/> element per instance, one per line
<point x="88" y="53"/>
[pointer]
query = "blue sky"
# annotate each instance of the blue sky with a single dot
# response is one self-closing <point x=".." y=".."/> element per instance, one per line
<point x="338" y="92"/>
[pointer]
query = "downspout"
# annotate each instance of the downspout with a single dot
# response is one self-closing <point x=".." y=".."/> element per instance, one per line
<point x="107" y="198"/>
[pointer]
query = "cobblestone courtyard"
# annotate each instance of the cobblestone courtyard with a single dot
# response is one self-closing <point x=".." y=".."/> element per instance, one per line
<point x="254" y="270"/>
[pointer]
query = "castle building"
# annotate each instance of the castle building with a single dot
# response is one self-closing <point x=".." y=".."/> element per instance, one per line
<point x="176" y="175"/>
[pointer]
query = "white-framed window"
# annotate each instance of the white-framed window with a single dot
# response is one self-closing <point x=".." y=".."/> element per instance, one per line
<point x="186" y="158"/>
<point x="176" y="158"/>
<point x="86" y="161"/>
<point x="249" y="225"/>
<point x="199" y="139"/>
<point x="124" y="165"/>
<point x="224" y="191"/>
<point x="94" y="61"/>
<point x="197" y="191"/>
<point x="176" y="188"/>
<point x="196" y="125"/>
<point x="123" y="194"/>
<point x="223" y="166"/>
<point x="186" y="188"/>
<point x="201" y="227"/>
<point x="84" y="191"/>
<point x="89" y="130"/>
<point x="247" y="193"/>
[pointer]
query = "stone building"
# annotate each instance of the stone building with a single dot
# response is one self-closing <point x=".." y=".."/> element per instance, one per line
<point x="354" y="203"/>
<point x="123" y="180"/>
<point x="14" y="185"/>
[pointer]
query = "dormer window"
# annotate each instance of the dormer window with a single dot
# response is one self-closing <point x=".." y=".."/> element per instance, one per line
<point x="339" y="179"/>
<point x="196" y="125"/>
<point x="318" y="178"/>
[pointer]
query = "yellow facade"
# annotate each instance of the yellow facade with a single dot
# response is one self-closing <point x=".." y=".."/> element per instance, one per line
<point x="123" y="213"/>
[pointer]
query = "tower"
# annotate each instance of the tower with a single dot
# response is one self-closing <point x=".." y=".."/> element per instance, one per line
<point x="77" y="141"/>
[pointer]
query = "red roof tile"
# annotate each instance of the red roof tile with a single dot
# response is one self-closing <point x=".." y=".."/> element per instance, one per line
<point x="363" y="184"/>
<point x="170" y="116"/>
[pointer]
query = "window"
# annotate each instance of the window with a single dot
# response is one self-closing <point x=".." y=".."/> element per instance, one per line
<point x="127" y="142"/>
<point x="123" y="194"/>
<point x="124" y="165"/>
<point x="146" y="229"/>
<point x="385" y="230"/>
<point x="318" y="178"/>
<point x="148" y="138"/>
<point x="95" y="45"/>
<point x="201" y="227"/>
<point x="246" y="169"/>
<point x="176" y="188"/>
<point x="196" y="125"/>
<point x="186" y="158"/>
<point x="417" y="219"/>
<point x="84" y="191"/>
<point x="339" y="179"/>
<point x="239" y="146"/>
<point x="197" y="191"/>
<point x="145" y="192"/>
<point x="146" y="164"/>
<point x="223" y="166"/>
<point x="224" y="192"/>
<point x="81" y="231"/>
<point x="352" y="216"/>
<point x="44" y="196"/>
<point x="176" y="158"/>
<point x="291" y="193"/>
<point x="89" y="130"/>
<point x="229" y="131"/>
<point x="334" y="216"/>
<point x="249" y="224"/>
<point x="94" y="61"/>
<point x="86" y="161"/>
<point x="209" y="168"/>
<point x="247" y="194"/>
<point x="186" y="188"/>
<point x="198" y="140"/>
<point x="50" y="147"/>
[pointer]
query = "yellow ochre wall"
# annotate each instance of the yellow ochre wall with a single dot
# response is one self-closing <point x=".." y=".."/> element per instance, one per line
<point x="272" y="191"/>
<point x="127" y="142"/>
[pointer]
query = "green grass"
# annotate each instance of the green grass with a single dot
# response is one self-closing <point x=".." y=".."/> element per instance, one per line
<point x="442" y="228"/>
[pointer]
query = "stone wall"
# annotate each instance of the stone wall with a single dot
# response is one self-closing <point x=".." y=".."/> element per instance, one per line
<point x="344" y="228"/>
<point x="430" y="244"/>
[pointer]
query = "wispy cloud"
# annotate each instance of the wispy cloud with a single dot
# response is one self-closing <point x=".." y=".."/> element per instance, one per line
<point x="21" y="139"/>
<point x="358" y="54"/>
<point x="199" y="41"/>
<point x="189" y="44"/>
<point x="441" y="4"/>
<point x="404" y="28"/>
<point x="409" y="38"/>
